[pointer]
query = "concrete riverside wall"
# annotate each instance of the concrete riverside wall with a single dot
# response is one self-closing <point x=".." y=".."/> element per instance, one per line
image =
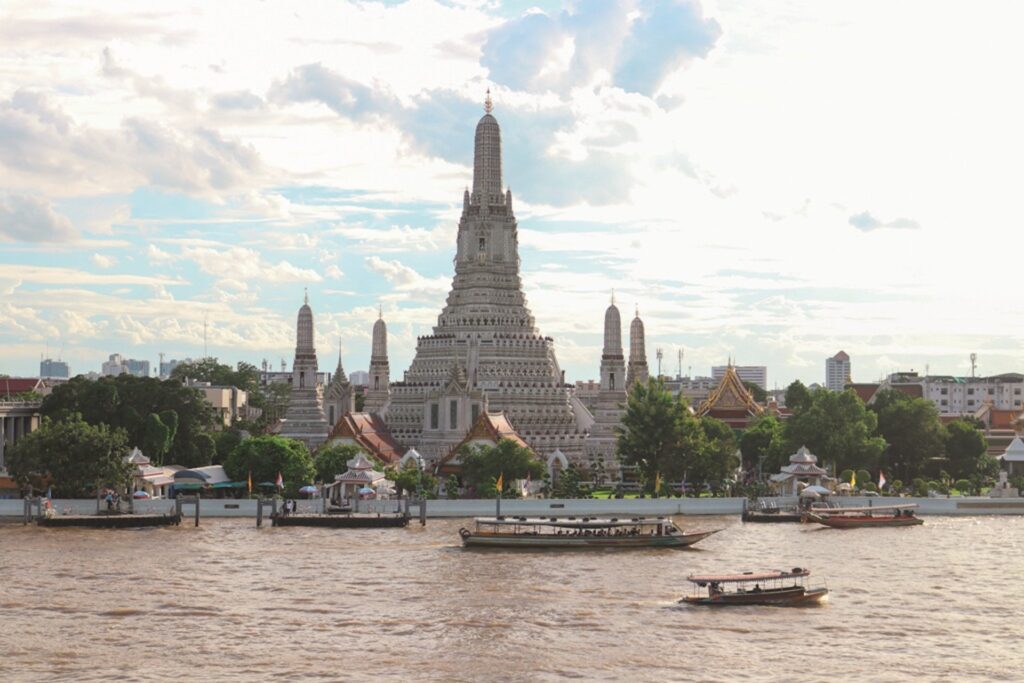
<point x="958" y="505"/>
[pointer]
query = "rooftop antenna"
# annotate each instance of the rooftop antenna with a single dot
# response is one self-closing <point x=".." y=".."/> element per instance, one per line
<point x="160" y="371"/>
<point x="974" y="364"/>
<point x="660" y="354"/>
<point x="680" y="363"/>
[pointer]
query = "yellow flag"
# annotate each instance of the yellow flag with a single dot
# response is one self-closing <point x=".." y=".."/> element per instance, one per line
<point x="657" y="482"/>
<point x="250" y="481"/>
<point x="500" y="483"/>
<point x="853" y="480"/>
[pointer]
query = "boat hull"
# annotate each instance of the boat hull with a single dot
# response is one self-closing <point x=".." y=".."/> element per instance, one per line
<point x="563" y="542"/>
<point x="789" y="597"/>
<point x="772" y="517"/>
<point x="861" y="522"/>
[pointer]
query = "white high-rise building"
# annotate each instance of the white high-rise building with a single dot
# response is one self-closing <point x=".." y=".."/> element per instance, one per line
<point x="755" y="374"/>
<point x="837" y="371"/>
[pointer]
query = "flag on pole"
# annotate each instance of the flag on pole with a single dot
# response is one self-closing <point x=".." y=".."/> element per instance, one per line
<point x="280" y="481"/>
<point x="526" y="486"/>
<point x="500" y="483"/>
<point x="250" y="482"/>
<point x="657" y="482"/>
<point x="881" y="478"/>
<point x="853" y="479"/>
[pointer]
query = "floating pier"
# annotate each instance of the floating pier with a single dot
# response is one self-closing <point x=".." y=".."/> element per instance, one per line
<point x="342" y="521"/>
<point x="112" y="519"/>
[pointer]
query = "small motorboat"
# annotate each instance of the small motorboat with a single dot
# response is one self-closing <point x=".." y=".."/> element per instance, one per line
<point x="779" y="588"/>
<point x="861" y="517"/>
<point x="586" y="532"/>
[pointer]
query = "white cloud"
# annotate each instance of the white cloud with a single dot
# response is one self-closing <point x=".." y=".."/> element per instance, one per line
<point x="104" y="261"/>
<point x="30" y="219"/>
<point x="334" y="272"/>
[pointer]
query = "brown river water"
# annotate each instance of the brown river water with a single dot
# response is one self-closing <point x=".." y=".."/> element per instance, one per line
<point x="228" y="601"/>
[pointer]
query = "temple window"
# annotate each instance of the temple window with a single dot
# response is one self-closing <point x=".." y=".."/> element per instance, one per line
<point x="453" y="414"/>
<point x="611" y="380"/>
<point x="376" y="383"/>
<point x="302" y="380"/>
<point x="476" y="412"/>
<point x="483" y="244"/>
<point x="435" y="415"/>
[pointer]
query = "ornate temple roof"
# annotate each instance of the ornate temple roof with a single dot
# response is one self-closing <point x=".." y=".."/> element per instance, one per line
<point x="488" y="427"/>
<point x="1014" y="452"/>
<point x="730" y="398"/>
<point x="370" y="433"/>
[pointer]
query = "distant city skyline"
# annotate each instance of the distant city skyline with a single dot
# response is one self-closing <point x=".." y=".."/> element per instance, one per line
<point x="769" y="184"/>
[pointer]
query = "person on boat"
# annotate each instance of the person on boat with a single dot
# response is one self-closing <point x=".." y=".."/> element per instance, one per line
<point x="757" y="588"/>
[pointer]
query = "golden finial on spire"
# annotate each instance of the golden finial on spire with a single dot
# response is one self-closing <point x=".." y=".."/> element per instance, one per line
<point x="488" y="104"/>
<point x="305" y="297"/>
<point x="380" y="311"/>
<point x="613" y="296"/>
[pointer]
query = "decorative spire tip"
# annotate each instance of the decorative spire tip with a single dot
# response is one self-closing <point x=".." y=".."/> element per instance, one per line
<point x="488" y="104"/>
<point x="306" y="296"/>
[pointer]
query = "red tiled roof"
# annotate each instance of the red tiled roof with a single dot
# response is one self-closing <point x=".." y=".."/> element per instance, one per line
<point x="370" y="433"/>
<point x="864" y="391"/>
<point x="11" y="386"/>
<point x="489" y="426"/>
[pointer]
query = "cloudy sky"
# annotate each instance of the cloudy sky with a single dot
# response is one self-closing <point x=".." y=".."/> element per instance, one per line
<point x="772" y="181"/>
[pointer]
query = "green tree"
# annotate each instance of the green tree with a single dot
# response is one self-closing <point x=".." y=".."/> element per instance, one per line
<point x="156" y="439"/>
<point x="912" y="429"/>
<point x="797" y="396"/>
<point x="657" y="433"/>
<point x="412" y="480"/>
<point x="482" y="463"/>
<point x="333" y="460"/>
<point x="715" y="461"/>
<point x="266" y="456"/>
<point x="764" y="439"/>
<point x="451" y="487"/>
<point x="837" y="428"/>
<point x="965" y="445"/>
<point x="75" y="455"/>
<point x="225" y="442"/>
<point x="126" y="401"/>
<point x="567" y="485"/>
<point x="245" y="376"/>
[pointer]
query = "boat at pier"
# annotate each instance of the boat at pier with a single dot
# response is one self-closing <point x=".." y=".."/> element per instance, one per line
<point x="779" y="588"/>
<point x="586" y="532"/>
<point x="861" y="517"/>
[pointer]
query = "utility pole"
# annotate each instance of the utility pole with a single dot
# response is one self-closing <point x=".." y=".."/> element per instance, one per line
<point x="974" y="364"/>
<point x="660" y="354"/>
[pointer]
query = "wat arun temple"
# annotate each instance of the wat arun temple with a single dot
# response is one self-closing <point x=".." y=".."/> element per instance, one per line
<point x="485" y="362"/>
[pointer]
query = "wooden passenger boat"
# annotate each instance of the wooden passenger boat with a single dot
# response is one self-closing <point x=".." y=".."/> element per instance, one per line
<point x="783" y="589"/>
<point x="860" y="517"/>
<point x="586" y="532"/>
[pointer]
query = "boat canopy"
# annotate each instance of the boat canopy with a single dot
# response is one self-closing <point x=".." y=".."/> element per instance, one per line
<point x="583" y="523"/>
<point x="705" y="579"/>
<point x="868" y="508"/>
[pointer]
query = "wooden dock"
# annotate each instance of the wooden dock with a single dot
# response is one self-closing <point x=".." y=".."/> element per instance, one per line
<point x="343" y="521"/>
<point x="124" y="521"/>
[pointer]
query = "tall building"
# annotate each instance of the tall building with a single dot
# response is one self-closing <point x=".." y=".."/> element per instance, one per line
<point x="485" y="353"/>
<point x="304" y="420"/>
<point x="117" y="364"/>
<point x="837" y="371"/>
<point x="54" y="369"/>
<point x="609" y="404"/>
<point x="638" y="371"/>
<point x="167" y="367"/>
<point x="755" y="374"/>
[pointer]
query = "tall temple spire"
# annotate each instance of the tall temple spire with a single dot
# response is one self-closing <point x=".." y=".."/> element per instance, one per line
<point x="487" y="159"/>
<point x="378" y="393"/>
<point x="304" y="419"/>
<point x="637" y="370"/>
<point x="613" y="332"/>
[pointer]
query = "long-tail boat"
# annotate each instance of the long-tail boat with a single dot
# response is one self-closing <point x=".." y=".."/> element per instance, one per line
<point x="763" y="588"/>
<point x="585" y="532"/>
<point x="871" y="516"/>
